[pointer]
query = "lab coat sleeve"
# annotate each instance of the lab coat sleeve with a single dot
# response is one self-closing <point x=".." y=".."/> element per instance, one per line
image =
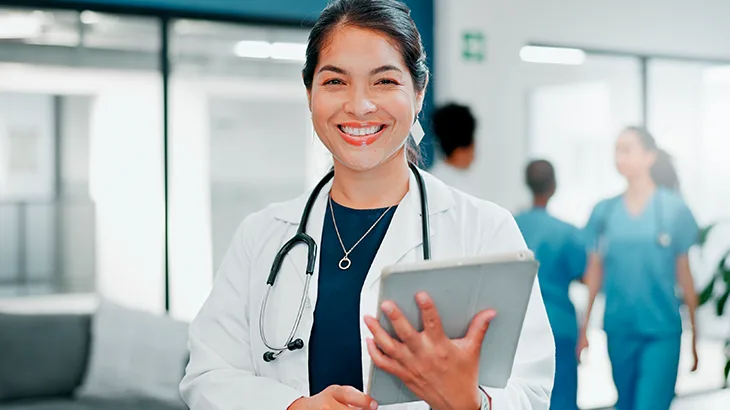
<point x="531" y="383"/>
<point x="220" y="374"/>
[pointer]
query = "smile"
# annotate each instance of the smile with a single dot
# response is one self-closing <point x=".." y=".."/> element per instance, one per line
<point x="361" y="135"/>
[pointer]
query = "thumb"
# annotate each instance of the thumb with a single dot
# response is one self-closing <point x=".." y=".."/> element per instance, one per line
<point x="478" y="327"/>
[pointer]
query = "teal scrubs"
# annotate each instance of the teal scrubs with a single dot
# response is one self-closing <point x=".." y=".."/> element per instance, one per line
<point x="559" y="248"/>
<point x="642" y="318"/>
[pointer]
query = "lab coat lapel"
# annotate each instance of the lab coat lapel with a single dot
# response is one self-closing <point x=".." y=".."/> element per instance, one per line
<point x="296" y="260"/>
<point x="403" y="235"/>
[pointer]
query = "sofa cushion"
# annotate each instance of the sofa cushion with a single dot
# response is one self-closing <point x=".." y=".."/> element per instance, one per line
<point x="42" y="355"/>
<point x="135" y="354"/>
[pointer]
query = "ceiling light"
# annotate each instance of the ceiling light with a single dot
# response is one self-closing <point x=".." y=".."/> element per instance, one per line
<point x="552" y="55"/>
<point x="253" y="49"/>
<point x="289" y="51"/>
<point x="20" y="26"/>
<point x="90" y="17"/>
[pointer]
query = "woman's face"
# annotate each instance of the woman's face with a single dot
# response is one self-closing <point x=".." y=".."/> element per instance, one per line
<point x="363" y="100"/>
<point x="632" y="159"/>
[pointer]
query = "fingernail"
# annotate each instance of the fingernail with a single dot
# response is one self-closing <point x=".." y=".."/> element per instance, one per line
<point x="374" y="405"/>
<point x="422" y="297"/>
<point x="387" y="307"/>
<point x="491" y="315"/>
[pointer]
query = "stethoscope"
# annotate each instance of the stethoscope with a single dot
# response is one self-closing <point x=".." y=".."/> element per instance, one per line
<point x="663" y="238"/>
<point x="301" y="237"/>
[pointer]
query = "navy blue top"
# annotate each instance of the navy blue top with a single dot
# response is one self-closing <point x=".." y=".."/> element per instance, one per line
<point x="334" y="344"/>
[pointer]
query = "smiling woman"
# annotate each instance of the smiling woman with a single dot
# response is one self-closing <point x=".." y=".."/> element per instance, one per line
<point x="365" y="80"/>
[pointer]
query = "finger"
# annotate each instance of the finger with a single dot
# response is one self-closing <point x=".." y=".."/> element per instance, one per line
<point x="478" y="328"/>
<point x="351" y="396"/>
<point x="403" y="329"/>
<point x="390" y="346"/>
<point x="384" y="362"/>
<point x="429" y="315"/>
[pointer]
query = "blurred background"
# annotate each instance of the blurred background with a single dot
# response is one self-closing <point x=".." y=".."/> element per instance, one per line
<point x="136" y="135"/>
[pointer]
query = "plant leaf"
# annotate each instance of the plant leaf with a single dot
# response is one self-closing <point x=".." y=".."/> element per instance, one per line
<point x="727" y="369"/>
<point x="706" y="294"/>
<point x="721" y="303"/>
<point x="704" y="234"/>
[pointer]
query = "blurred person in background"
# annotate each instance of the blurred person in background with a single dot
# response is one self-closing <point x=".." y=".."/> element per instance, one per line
<point x="562" y="255"/>
<point x="639" y="242"/>
<point x="454" y="127"/>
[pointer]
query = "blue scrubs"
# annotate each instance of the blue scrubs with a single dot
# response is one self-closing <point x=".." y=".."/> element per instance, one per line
<point x="642" y="318"/>
<point x="562" y="255"/>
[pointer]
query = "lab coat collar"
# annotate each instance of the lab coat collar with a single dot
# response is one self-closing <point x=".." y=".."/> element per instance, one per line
<point x="396" y="243"/>
<point x="440" y="199"/>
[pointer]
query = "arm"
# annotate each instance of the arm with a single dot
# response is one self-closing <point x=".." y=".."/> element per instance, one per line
<point x="531" y="383"/>
<point x="593" y="280"/>
<point x="220" y="374"/>
<point x="684" y="277"/>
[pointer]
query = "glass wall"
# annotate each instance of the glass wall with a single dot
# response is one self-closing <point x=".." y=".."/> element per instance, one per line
<point x="82" y="150"/>
<point x="81" y="182"/>
<point x="239" y="125"/>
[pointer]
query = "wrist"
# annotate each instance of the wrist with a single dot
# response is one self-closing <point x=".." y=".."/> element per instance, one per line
<point x="298" y="404"/>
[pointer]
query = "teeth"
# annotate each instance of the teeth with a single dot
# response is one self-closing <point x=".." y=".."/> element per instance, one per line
<point x="362" y="131"/>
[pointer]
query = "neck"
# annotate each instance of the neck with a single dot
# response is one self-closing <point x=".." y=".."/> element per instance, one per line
<point x="456" y="162"/>
<point x="640" y="187"/>
<point x="379" y="187"/>
<point x="540" y="201"/>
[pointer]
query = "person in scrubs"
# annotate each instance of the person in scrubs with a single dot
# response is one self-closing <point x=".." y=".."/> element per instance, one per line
<point x="559" y="248"/>
<point x="639" y="243"/>
<point x="454" y="126"/>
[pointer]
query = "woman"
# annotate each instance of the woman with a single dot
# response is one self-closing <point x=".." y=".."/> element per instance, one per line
<point x="365" y="77"/>
<point x="640" y="242"/>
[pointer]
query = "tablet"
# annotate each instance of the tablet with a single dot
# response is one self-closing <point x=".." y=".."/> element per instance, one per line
<point x="460" y="289"/>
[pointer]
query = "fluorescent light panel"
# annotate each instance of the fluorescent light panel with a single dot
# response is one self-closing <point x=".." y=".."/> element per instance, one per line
<point x="552" y="55"/>
<point x="277" y="51"/>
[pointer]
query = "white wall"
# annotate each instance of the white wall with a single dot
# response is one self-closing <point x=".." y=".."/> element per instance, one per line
<point x="496" y="87"/>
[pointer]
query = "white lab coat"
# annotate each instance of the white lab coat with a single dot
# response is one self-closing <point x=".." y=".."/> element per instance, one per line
<point x="226" y="369"/>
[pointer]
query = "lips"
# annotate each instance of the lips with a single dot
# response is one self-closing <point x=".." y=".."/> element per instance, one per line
<point x="361" y="134"/>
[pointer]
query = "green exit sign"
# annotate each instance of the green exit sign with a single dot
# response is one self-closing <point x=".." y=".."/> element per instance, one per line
<point x="473" y="46"/>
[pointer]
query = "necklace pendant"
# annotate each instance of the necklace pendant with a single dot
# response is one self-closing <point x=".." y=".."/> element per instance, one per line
<point x="345" y="263"/>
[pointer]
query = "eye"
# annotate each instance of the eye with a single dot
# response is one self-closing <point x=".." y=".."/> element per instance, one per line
<point x="387" y="81"/>
<point x="334" y="81"/>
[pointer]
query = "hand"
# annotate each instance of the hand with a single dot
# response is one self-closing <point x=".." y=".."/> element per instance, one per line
<point x="442" y="372"/>
<point x="336" y="398"/>
<point x="582" y="343"/>
<point x="695" y="356"/>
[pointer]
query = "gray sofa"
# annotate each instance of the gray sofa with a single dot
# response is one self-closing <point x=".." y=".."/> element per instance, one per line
<point x="87" y="362"/>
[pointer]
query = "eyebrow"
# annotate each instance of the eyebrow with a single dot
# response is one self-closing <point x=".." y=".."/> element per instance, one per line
<point x="375" y="71"/>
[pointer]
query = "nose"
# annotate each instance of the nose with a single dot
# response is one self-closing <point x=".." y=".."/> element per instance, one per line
<point x="359" y="103"/>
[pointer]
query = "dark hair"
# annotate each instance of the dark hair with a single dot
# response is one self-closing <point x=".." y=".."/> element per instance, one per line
<point x="453" y="125"/>
<point x="662" y="172"/>
<point x="389" y="17"/>
<point x="540" y="177"/>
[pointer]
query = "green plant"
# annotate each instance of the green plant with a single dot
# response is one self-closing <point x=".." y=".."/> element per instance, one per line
<point x="717" y="290"/>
